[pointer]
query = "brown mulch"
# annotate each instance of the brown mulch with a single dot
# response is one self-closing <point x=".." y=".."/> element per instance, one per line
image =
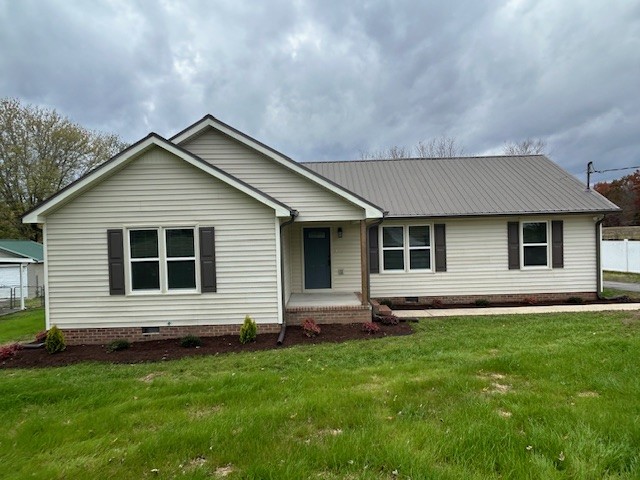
<point x="162" y="350"/>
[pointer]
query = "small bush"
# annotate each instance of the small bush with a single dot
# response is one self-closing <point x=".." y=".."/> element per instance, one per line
<point x="575" y="300"/>
<point x="529" y="301"/>
<point x="54" y="342"/>
<point x="190" y="341"/>
<point x="118" y="345"/>
<point x="8" y="351"/>
<point x="437" y="303"/>
<point x="387" y="302"/>
<point x="482" y="302"/>
<point x="248" y="331"/>
<point x="370" y="327"/>
<point x="310" y="328"/>
<point x="41" y="336"/>
<point x="389" y="319"/>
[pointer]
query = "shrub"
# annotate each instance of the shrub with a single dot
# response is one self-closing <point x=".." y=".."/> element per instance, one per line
<point x="387" y="302"/>
<point x="370" y="327"/>
<point x="389" y="319"/>
<point x="575" y="300"/>
<point x="118" y="345"/>
<point x="310" y="328"/>
<point x="41" y="336"/>
<point x="248" y="331"/>
<point x="190" y="341"/>
<point x="8" y="351"/>
<point x="54" y="342"/>
<point x="482" y="302"/>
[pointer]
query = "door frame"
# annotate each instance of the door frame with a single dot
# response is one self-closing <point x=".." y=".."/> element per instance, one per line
<point x="304" y="283"/>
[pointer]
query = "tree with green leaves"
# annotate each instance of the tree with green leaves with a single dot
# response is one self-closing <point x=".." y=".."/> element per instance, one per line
<point x="42" y="151"/>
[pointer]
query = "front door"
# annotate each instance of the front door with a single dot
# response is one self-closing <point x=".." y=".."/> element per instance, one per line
<point x="317" y="258"/>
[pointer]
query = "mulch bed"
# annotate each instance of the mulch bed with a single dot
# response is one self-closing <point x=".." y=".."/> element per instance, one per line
<point x="446" y="306"/>
<point x="162" y="350"/>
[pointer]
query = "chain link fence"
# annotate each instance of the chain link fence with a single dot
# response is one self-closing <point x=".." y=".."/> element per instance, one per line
<point x="10" y="297"/>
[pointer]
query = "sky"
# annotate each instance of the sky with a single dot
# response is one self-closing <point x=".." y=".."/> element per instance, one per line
<point x="330" y="79"/>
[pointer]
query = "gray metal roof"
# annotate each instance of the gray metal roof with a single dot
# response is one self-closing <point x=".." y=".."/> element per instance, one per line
<point x="436" y="187"/>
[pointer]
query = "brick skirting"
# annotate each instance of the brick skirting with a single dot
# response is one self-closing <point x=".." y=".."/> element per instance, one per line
<point x="90" y="336"/>
<point x="495" y="298"/>
<point x="351" y="314"/>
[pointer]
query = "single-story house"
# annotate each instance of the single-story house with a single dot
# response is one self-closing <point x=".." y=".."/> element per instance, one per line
<point x="188" y="235"/>
<point x="21" y="263"/>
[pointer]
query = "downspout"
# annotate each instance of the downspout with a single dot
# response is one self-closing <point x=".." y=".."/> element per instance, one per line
<point x="598" y="260"/>
<point x="283" y="300"/>
<point x="374" y="224"/>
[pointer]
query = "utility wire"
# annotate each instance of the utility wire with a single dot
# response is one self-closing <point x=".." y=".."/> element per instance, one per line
<point x="615" y="169"/>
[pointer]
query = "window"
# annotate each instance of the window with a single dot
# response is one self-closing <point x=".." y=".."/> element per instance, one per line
<point x="406" y="248"/>
<point x="393" y="248"/>
<point x="535" y="244"/>
<point x="162" y="259"/>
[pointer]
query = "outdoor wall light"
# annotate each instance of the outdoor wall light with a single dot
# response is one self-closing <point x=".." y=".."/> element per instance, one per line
<point x="339" y="232"/>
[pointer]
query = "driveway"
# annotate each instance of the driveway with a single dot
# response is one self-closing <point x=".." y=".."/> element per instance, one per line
<point x="628" y="287"/>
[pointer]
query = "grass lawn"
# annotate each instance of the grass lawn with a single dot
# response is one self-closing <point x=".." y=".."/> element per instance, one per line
<point x="540" y="396"/>
<point x="22" y="325"/>
<point x="621" y="277"/>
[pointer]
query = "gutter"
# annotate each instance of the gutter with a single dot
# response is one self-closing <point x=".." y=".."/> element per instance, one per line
<point x="283" y="300"/>
<point x="598" y="260"/>
<point x="374" y="224"/>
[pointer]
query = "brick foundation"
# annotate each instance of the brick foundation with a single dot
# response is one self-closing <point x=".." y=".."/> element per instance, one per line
<point x="494" y="298"/>
<point x="89" y="336"/>
<point x="354" y="314"/>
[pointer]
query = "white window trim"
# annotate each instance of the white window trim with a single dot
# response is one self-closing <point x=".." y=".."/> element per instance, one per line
<point x="406" y="249"/>
<point x="163" y="260"/>
<point x="545" y="244"/>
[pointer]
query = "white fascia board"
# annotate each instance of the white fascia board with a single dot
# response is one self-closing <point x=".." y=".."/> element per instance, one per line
<point x="39" y="214"/>
<point x="16" y="260"/>
<point x="370" y="211"/>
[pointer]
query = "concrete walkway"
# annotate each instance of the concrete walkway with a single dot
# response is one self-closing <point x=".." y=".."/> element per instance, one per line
<point x="627" y="287"/>
<point x="458" y="312"/>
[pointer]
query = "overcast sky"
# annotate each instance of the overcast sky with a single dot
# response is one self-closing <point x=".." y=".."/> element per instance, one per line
<point x="325" y="80"/>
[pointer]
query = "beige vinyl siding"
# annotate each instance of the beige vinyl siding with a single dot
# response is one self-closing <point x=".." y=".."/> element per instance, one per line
<point x="477" y="262"/>
<point x="159" y="189"/>
<point x="312" y="201"/>
<point x="345" y="257"/>
<point x="286" y="261"/>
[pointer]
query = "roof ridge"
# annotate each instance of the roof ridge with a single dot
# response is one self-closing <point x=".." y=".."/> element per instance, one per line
<point x="464" y="157"/>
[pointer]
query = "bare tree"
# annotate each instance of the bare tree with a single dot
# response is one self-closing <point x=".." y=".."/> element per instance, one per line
<point x="392" y="153"/>
<point x="434" y="148"/>
<point x="439" y="147"/>
<point x="529" y="146"/>
<point x="42" y="151"/>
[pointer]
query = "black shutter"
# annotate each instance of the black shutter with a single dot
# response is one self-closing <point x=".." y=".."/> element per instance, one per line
<point x="115" y="253"/>
<point x="557" y="244"/>
<point x="441" y="247"/>
<point x="513" y="241"/>
<point x="374" y="258"/>
<point x="207" y="259"/>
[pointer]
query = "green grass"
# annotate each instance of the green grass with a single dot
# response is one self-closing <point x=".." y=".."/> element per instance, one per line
<point x="540" y="396"/>
<point x="21" y="325"/>
<point x="621" y="277"/>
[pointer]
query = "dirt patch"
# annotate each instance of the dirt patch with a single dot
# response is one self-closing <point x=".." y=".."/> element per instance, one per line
<point x="162" y="350"/>
<point x="588" y="394"/>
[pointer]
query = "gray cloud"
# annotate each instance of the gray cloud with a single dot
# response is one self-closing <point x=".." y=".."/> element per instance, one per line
<point x="324" y="80"/>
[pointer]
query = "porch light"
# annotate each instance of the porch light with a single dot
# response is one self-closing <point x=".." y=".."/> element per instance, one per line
<point x="339" y="232"/>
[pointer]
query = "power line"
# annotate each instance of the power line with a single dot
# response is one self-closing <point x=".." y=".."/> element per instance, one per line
<point x="615" y="169"/>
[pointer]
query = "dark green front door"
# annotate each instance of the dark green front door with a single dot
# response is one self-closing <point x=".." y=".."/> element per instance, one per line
<point x="317" y="258"/>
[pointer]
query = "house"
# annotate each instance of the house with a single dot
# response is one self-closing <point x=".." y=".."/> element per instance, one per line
<point x="21" y="264"/>
<point x="188" y="235"/>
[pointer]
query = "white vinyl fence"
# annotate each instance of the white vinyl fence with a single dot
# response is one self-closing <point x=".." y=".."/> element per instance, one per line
<point x="621" y="255"/>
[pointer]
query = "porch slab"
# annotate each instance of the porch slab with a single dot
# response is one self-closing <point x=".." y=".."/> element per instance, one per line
<point x="335" y="307"/>
<point x="330" y="299"/>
